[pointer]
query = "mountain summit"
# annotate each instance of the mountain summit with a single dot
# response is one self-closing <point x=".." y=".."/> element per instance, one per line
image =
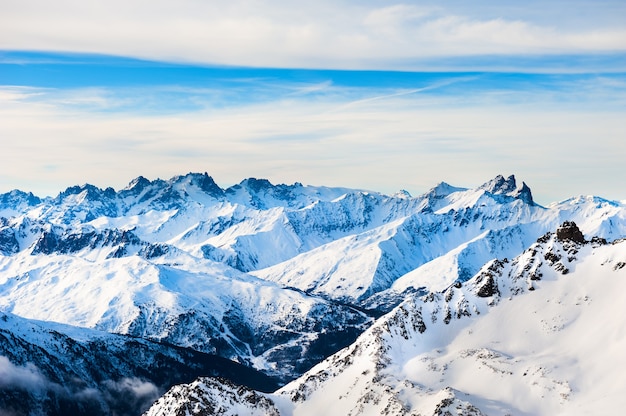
<point x="501" y="186"/>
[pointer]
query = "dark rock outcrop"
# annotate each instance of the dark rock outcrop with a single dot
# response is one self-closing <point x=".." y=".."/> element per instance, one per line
<point x="569" y="231"/>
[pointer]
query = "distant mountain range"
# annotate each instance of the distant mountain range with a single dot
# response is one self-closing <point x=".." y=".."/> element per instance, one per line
<point x="346" y="299"/>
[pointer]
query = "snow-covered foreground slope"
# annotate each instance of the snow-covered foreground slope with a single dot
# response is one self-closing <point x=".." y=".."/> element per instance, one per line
<point x="540" y="334"/>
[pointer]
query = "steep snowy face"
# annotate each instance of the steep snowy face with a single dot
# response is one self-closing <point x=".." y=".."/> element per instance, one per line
<point x="520" y="337"/>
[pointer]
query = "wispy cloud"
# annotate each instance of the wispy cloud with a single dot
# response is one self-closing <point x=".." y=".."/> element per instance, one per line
<point x="406" y="92"/>
<point x="119" y="395"/>
<point x="25" y="377"/>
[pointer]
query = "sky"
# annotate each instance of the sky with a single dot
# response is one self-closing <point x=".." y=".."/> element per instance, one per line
<point x="371" y="94"/>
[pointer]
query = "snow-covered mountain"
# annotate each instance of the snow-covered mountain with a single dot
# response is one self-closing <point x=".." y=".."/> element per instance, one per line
<point x="274" y="277"/>
<point x="540" y="334"/>
<point x="434" y="240"/>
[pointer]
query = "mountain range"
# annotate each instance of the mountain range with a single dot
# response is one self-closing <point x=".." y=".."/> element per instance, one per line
<point x="294" y="299"/>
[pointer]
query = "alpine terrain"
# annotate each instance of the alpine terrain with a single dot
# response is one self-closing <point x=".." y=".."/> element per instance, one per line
<point x="179" y="297"/>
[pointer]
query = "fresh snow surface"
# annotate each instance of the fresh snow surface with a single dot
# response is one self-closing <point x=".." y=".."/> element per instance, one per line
<point x="556" y="349"/>
<point x="538" y="334"/>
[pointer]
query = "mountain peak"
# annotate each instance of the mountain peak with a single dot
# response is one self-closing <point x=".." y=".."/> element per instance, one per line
<point x="569" y="231"/>
<point x="499" y="185"/>
<point x="256" y="185"/>
<point x="524" y="194"/>
<point x="443" y="189"/>
<point x="16" y="197"/>
<point x="508" y="186"/>
<point x="402" y="194"/>
<point x="201" y="180"/>
<point x="137" y="184"/>
<point x="207" y="184"/>
<point x="91" y="192"/>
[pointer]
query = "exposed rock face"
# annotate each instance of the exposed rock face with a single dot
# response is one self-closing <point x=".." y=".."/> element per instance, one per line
<point x="500" y="185"/>
<point x="569" y="231"/>
<point x="8" y="243"/>
<point x="524" y="194"/>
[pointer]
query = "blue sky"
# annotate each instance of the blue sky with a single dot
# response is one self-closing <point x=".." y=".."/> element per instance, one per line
<point x="371" y="94"/>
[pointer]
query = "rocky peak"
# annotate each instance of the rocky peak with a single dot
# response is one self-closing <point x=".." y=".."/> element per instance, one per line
<point x="402" y="194"/>
<point x="208" y="185"/>
<point x="256" y="185"/>
<point x="213" y="396"/>
<point x="501" y="186"/>
<point x="138" y="184"/>
<point x="524" y="194"/>
<point x="201" y="180"/>
<point x="569" y="231"/>
<point x="92" y="192"/>
<point x="15" y="198"/>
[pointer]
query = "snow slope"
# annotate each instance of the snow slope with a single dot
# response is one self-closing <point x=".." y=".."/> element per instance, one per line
<point x="180" y="300"/>
<point x="540" y="334"/>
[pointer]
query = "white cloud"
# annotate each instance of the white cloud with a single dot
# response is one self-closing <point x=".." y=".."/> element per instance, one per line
<point x="27" y="377"/>
<point x="391" y="20"/>
<point x="141" y="389"/>
<point x="128" y="392"/>
<point x="131" y="393"/>
<point x="336" y="34"/>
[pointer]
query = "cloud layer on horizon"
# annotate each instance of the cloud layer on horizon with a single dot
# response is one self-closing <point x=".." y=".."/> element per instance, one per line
<point x="558" y="138"/>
